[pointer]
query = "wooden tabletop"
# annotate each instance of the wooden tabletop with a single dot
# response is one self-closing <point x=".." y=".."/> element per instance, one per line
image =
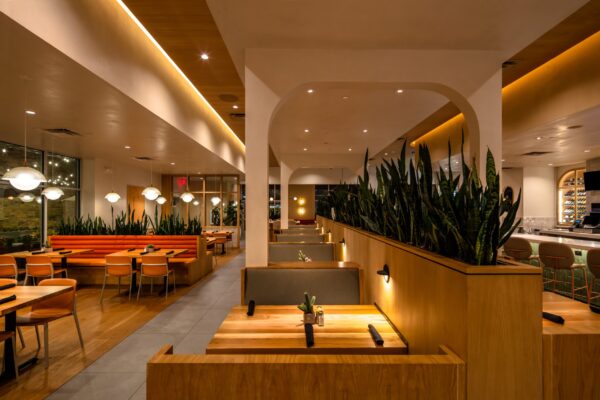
<point x="137" y="253"/>
<point x="27" y="295"/>
<point x="53" y="254"/>
<point x="279" y="330"/>
<point x="577" y="315"/>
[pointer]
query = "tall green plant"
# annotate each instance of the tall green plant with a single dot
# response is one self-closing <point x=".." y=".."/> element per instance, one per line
<point x="451" y="215"/>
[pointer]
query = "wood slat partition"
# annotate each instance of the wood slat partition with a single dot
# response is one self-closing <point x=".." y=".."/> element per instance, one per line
<point x="489" y="315"/>
<point x="301" y="377"/>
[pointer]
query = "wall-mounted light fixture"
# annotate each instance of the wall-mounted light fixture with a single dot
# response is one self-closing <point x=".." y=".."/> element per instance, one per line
<point x="385" y="272"/>
<point x="301" y="211"/>
<point x="343" y="241"/>
<point x="301" y="201"/>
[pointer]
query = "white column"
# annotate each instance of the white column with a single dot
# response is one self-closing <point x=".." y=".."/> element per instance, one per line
<point x="486" y="132"/>
<point x="260" y="103"/>
<point x="286" y="173"/>
<point x="539" y="197"/>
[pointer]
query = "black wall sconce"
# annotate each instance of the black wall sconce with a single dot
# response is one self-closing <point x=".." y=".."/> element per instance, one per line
<point x="385" y="272"/>
<point x="343" y="241"/>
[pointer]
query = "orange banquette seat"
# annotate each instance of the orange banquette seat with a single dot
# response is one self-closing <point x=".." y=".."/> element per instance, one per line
<point x="103" y="245"/>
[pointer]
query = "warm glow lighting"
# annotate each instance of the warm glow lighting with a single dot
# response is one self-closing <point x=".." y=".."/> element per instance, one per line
<point x="196" y="203"/>
<point x="187" y="197"/>
<point x="26" y="197"/>
<point x="176" y="67"/>
<point x="204" y="56"/>
<point x="538" y="138"/>
<point x="172" y="163"/>
<point x="52" y="193"/>
<point x="301" y="211"/>
<point x="295" y="198"/>
<point x="302" y="201"/>
<point x="270" y="199"/>
<point x="112" y="197"/>
<point x="24" y="178"/>
<point x="235" y="107"/>
<point x="306" y="131"/>
<point x="365" y="130"/>
<point x="127" y="147"/>
<point x="550" y="164"/>
<point x="215" y="201"/>
<point x="310" y="91"/>
<point x="586" y="150"/>
<point x="161" y="200"/>
<point x="349" y="148"/>
<point x="30" y="112"/>
<point x="399" y="91"/>
<point x="151" y="193"/>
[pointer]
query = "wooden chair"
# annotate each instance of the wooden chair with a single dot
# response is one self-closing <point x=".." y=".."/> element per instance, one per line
<point x="519" y="249"/>
<point x="46" y="311"/>
<point x="8" y="267"/>
<point x="593" y="264"/>
<point x="559" y="256"/>
<point x="118" y="266"/>
<point x="41" y="267"/>
<point x="155" y="266"/>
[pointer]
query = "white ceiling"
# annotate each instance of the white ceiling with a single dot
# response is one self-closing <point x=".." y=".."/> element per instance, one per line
<point x="336" y="116"/>
<point x="36" y="76"/>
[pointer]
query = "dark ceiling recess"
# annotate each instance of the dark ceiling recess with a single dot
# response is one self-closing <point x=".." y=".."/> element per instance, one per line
<point x="536" y="153"/>
<point x="62" y="131"/>
<point x="143" y="158"/>
<point x="509" y="63"/>
<point x="574" y="126"/>
<point x="237" y="115"/>
<point x="230" y="98"/>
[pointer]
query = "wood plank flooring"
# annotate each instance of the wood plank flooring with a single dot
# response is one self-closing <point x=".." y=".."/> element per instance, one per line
<point x="103" y="327"/>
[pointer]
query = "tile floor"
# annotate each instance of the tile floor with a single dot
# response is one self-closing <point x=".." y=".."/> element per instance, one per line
<point x="188" y="324"/>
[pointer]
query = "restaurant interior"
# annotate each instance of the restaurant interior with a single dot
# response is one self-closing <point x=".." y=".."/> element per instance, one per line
<point x="225" y="199"/>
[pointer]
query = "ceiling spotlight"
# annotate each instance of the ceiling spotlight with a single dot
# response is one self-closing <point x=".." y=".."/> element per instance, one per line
<point x="503" y="160"/>
<point x="127" y="147"/>
<point x="204" y="56"/>
<point x="306" y="130"/>
<point x="586" y="150"/>
<point x="345" y="97"/>
<point x="550" y="164"/>
<point x="235" y="106"/>
<point x="305" y="149"/>
<point x="349" y="148"/>
<point x="30" y="112"/>
<point x="172" y="163"/>
<point x="538" y="138"/>
<point x="365" y="130"/>
<point x="385" y="154"/>
<point x="310" y="91"/>
<point x="399" y="91"/>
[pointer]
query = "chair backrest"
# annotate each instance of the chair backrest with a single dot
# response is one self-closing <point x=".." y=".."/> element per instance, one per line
<point x="5" y="281"/>
<point x="154" y="265"/>
<point x="8" y="266"/>
<point x="556" y="255"/>
<point x="118" y="265"/>
<point x="593" y="262"/>
<point x="518" y="248"/>
<point x="62" y="301"/>
<point x="39" y="266"/>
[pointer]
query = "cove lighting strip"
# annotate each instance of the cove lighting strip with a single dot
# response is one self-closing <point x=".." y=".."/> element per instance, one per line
<point x="164" y="53"/>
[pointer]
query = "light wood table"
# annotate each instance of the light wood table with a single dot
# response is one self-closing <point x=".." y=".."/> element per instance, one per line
<point x="26" y="296"/>
<point x="280" y="330"/>
<point x="22" y="255"/>
<point x="136" y="255"/>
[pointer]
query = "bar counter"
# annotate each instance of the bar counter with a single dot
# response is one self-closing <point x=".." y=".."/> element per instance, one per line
<point x="575" y="244"/>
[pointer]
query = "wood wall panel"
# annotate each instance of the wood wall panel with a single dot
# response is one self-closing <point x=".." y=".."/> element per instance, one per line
<point x="489" y="315"/>
<point x="304" y="377"/>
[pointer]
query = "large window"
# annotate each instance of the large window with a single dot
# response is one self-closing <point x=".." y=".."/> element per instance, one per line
<point x="26" y="218"/>
<point x="216" y="201"/>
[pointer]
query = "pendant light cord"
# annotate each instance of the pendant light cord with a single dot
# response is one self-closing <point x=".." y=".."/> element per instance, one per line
<point x="25" y="141"/>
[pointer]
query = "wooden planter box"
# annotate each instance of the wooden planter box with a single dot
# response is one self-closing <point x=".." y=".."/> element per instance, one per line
<point x="490" y="316"/>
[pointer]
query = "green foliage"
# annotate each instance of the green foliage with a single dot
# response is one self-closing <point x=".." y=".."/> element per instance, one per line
<point x="455" y="217"/>
<point x="309" y="302"/>
<point x="230" y="211"/>
<point x="126" y="224"/>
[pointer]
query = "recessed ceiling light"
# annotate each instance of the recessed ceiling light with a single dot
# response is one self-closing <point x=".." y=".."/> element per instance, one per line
<point x="399" y="91"/>
<point x="235" y="106"/>
<point x="345" y="97"/>
<point x="349" y="148"/>
<point x="309" y="91"/>
<point x="385" y="154"/>
<point x="172" y="163"/>
<point x="306" y="131"/>
<point x="503" y="160"/>
<point x="365" y="130"/>
<point x="30" y="112"/>
<point x="538" y="138"/>
<point x="550" y="164"/>
<point x="586" y="150"/>
<point x="204" y="56"/>
<point x="127" y="147"/>
<point x="305" y="149"/>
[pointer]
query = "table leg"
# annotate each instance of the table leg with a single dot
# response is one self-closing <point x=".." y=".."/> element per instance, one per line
<point x="63" y="265"/>
<point x="134" y="269"/>
<point x="10" y="325"/>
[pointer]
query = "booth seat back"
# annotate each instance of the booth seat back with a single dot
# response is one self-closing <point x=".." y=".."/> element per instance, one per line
<point x="301" y="231"/>
<point x="298" y="238"/>
<point x="103" y="245"/>
<point x="279" y="251"/>
<point x="300" y="226"/>
<point x="285" y="286"/>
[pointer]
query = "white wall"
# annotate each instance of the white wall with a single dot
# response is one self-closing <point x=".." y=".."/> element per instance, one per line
<point x="97" y="180"/>
<point x="315" y="176"/>
<point x="539" y="197"/>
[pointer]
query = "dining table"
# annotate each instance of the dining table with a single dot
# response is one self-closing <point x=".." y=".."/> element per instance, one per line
<point x="136" y="256"/>
<point x="62" y="254"/>
<point x="280" y="330"/>
<point x="25" y="297"/>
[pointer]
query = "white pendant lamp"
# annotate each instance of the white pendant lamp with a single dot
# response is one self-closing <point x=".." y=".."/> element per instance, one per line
<point x="187" y="197"/>
<point x="196" y="203"/>
<point x="161" y="200"/>
<point x="151" y="193"/>
<point x="52" y="192"/>
<point x="112" y="197"/>
<point x="26" y="197"/>
<point x="215" y="201"/>
<point x="25" y="177"/>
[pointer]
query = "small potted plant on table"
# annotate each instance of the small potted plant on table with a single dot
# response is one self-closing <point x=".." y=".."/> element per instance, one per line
<point x="308" y="308"/>
<point x="150" y="248"/>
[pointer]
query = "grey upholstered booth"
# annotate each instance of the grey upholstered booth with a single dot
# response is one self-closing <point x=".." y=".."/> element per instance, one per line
<point x="299" y="238"/>
<point x="285" y="286"/>
<point x="301" y="231"/>
<point x="289" y="251"/>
